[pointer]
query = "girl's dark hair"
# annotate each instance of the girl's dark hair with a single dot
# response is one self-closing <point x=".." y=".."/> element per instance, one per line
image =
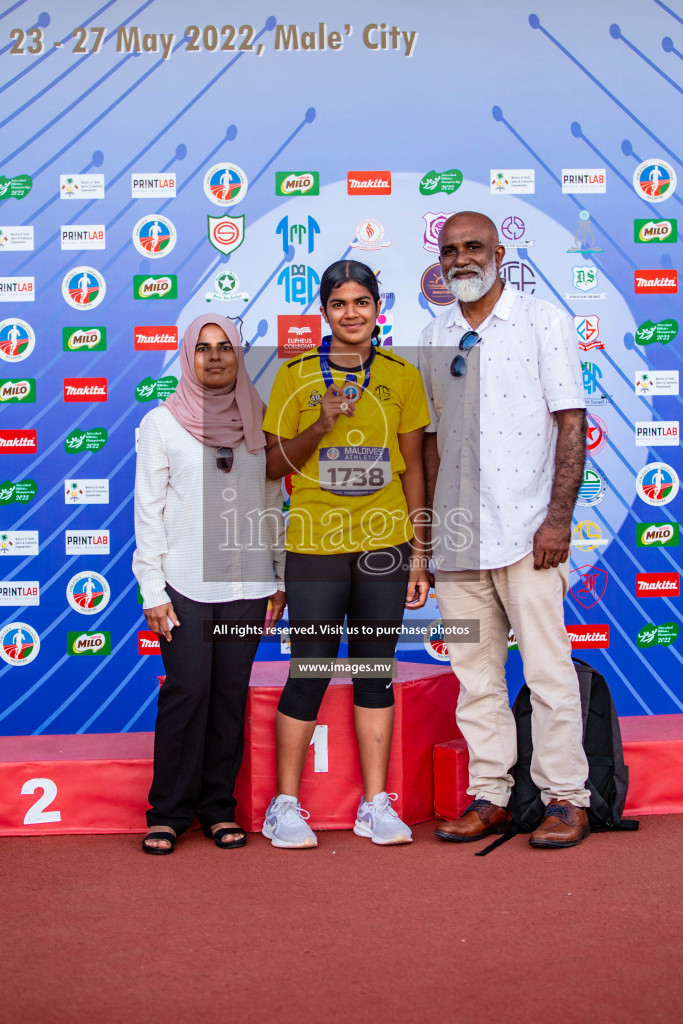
<point x="347" y="270"/>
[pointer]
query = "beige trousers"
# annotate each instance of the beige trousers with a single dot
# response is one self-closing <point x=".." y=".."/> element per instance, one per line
<point x="530" y="601"/>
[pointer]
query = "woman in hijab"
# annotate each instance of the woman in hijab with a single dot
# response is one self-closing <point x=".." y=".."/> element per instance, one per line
<point x="210" y="553"/>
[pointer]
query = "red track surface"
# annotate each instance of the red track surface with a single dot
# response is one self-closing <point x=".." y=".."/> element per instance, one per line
<point x="93" y="930"/>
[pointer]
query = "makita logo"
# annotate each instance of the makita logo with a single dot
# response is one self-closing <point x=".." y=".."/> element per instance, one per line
<point x="149" y="338"/>
<point x="15" y="389"/>
<point x="12" y="441"/>
<point x="588" y="636"/>
<point x="372" y="183"/>
<point x="657" y="584"/>
<point x="85" y="389"/>
<point x="148" y="642"/>
<point x="653" y="281"/>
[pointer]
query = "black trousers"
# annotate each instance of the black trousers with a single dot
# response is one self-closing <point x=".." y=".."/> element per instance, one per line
<point x="199" y="734"/>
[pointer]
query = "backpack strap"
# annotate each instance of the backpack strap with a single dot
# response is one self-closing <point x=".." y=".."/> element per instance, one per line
<point x="513" y="831"/>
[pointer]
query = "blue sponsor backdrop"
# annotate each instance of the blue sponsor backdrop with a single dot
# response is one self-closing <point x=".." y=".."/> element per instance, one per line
<point x="498" y="93"/>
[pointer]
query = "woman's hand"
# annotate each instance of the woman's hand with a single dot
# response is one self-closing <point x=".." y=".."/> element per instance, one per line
<point x="157" y="619"/>
<point x="418" y="583"/>
<point x="333" y="405"/>
<point x="278" y="602"/>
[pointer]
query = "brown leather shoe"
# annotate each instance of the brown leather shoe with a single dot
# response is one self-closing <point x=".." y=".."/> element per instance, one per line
<point x="481" y="819"/>
<point x="564" y="825"/>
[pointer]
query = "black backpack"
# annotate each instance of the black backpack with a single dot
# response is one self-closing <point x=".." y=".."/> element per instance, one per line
<point x="607" y="773"/>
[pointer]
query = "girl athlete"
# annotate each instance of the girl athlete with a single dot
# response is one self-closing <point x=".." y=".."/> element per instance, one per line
<point x="348" y="419"/>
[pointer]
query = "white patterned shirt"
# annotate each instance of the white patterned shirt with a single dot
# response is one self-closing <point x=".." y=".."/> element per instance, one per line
<point x="213" y="536"/>
<point x="496" y="432"/>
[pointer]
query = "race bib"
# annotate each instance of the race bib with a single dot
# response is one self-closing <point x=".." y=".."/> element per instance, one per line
<point x="354" y="470"/>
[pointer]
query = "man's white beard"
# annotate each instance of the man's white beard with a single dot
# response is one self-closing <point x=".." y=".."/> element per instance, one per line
<point x="472" y="288"/>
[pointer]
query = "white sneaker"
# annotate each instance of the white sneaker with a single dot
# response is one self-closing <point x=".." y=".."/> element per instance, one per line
<point x="284" y="824"/>
<point x="379" y="821"/>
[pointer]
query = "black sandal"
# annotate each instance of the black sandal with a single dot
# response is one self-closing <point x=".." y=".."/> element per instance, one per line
<point x="217" y="837"/>
<point x="170" y="837"/>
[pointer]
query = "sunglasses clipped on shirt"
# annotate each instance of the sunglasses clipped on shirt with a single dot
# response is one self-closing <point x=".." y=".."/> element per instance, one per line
<point x="467" y="343"/>
<point x="224" y="459"/>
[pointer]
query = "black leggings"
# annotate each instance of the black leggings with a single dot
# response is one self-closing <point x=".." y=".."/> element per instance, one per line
<point x="366" y="587"/>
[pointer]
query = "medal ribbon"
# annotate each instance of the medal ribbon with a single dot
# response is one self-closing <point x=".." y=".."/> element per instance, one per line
<point x="350" y="377"/>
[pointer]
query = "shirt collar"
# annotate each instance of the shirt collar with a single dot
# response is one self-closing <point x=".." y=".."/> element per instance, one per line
<point x="502" y="309"/>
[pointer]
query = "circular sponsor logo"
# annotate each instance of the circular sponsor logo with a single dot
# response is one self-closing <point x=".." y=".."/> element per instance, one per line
<point x="83" y="287"/>
<point x="17" y="340"/>
<point x="154" y="236"/>
<point x="227" y="282"/>
<point x="654" y="180"/>
<point x="513" y="228"/>
<point x="333" y="453"/>
<point x="433" y="287"/>
<point x="592" y="489"/>
<point x="596" y="437"/>
<point x="225" y="184"/>
<point x="435" y="642"/>
<point x="88" y="593"/>
<point x="19" y="643"/>
<point x="657" y="483"/>
<point x="586" y="536"/>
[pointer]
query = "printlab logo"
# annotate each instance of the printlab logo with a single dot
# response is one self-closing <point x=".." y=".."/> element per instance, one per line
<point x="78" y="542"/>
<point x="300" y="283"/>
<point x="227" y="289"/>
<point x="81" y="186"/>
<point x="441" y="181"/>
<point x="225" y="184"/>
<point x="658" y="433"/>
<point x="17" y="289"/>
<point x="84" y="339"/>
<point x="655" y="282"/>
<point x="149" y="286"/>
<point x="83" y="287"/>
<point x="297" y="183"/>
<point x="18" y="442"/>
<point x="587" y="536"/>
<point x="516" y="182"/>
<point x="85" y="440"/>
<point x="661" y="535"/>
<point x="150" y="389"/>
<point x="584" y="239"/>
<point x="588" y="330"/>
<point x="88" y="593"/>
<point x="369" y="235"/>
<point x="85" y="389"/>
<point x="19" y="643"/>
<point x="654" y="636"/>
<point x="654" y="180"/>
<point x="657" y="584"/>
<point x="433" y="224"/>
<point x="17" y="340"/>
<point x="592" y="489"/>
<point x="149" y="339"/>
<point x="85" y="236"/>
<point x="655" y="230"/>
<point x="297" y="234"/>
<point x="20" y="543"/>
<point x="648" y="333"/>
<point x="21" y="492"/>
<point x="587" y="585"/>
<point x="154" y="236"/>
<point x="89" y="643"/>
<point x="12" y="390"/>
<point x="584" y="180"/>
<point x="657" y="483"/>
<point x="656" y="382"/>
<point x="296" y="334"/>
<point x="17" y="187"/>
<point x="153" y="186"/>
<point x="226" y="233"/>
<point x="20" y="592"/>
<point x="519" y="275"/>
<point x="596" y="435"/>
<point x="368" y="183"/>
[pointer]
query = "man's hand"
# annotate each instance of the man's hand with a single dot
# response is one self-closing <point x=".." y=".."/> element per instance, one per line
<point x="551" y="545"/>
<point x="278" y="602"/>
<point x="157" y="619"/>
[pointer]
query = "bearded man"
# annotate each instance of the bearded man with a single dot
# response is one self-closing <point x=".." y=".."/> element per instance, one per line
<point x="504" y="457"/>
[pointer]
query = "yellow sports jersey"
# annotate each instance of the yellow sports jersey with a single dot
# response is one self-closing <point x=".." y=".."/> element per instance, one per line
<point x="347" y="496"/>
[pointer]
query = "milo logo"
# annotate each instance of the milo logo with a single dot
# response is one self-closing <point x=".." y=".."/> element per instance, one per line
<point x="657" y="535"/>
<point x="17" y="390"/>
<point x="297" y="183"/>
<point x="155" y="287"/>
<point x="649" y="332"/>
<point x="89" y="643"/>
<point x="149" y="389"/>
<point x="655" y="231"/>
<point x="80" y="339"/>
<point x="441" y="181"/>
